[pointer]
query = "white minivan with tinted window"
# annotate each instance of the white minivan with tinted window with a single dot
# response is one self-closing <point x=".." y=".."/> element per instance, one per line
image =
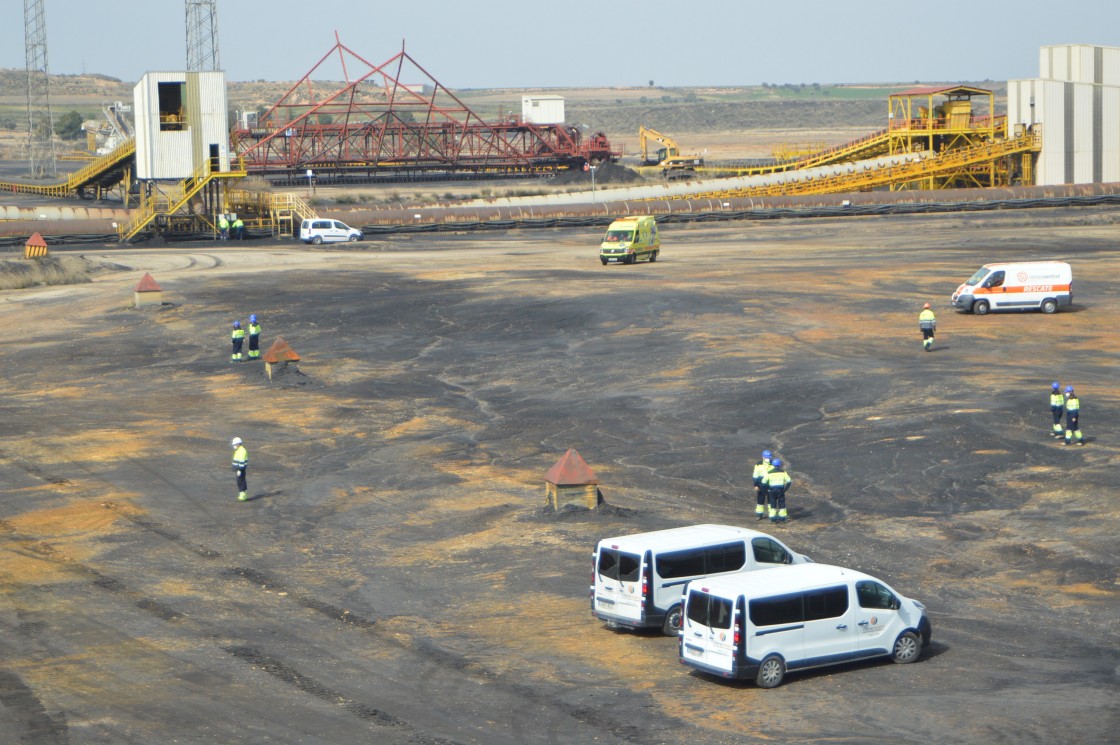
<point x="321" y="230"/>
<point x="638" y="579"/>
<point x="762" y="625"/>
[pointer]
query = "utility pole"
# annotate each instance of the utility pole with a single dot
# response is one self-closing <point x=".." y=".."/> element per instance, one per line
<point x="202" y="36"/>
<point x="40" y="124"/>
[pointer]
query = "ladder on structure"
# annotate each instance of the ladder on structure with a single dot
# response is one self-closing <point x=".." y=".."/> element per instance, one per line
<point x="287" y="210"/>
<point x="157" y="204"/>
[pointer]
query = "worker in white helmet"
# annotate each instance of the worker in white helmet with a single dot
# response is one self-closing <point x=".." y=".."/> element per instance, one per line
<point x="240" y="466"/>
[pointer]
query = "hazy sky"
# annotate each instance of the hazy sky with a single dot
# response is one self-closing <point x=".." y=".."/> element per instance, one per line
<point x="581" y="43"/>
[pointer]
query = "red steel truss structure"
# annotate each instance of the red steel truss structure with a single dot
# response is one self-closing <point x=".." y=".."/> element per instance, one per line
<point x="396" y="119"/>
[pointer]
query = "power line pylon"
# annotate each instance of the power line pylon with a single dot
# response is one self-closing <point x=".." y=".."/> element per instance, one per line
<point x="40" y="123"/>
<point x="202" y="35"/>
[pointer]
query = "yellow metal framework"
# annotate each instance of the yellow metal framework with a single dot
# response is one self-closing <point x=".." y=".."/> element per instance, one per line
<point x="90" y="174"/>
<point x="973" y="165"/>
<point x="165" y="205"/>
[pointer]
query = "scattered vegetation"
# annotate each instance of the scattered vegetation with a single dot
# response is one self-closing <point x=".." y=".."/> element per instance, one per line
<point x="65" y="270"/>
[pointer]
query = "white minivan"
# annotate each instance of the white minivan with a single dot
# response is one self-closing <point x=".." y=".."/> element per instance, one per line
<point x="763" y="624"/>
<point x="1024" y="285"/>
<point x="638" y="579"/>
<point x="321" y="230"/>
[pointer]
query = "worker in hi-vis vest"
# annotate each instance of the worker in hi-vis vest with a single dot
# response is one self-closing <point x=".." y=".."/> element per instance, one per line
<point x="240" y="467"/>
<point x="758" y="476"/>
<point x="1057" y="407"/>
<point x="927" y="323"/>
<point x="777" y="481"/>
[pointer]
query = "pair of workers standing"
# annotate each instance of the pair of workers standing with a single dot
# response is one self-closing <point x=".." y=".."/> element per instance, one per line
<point x="237" y="337"/>
<point x="1066" y="403"/>
<point x="771" y="481"/>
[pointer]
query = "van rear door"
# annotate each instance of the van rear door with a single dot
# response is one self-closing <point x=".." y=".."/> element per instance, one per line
<point x="707" y="636"/>
<point x="618" y="584"/>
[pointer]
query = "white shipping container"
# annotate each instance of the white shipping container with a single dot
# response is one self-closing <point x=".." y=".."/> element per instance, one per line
<point x="542" y="109"/>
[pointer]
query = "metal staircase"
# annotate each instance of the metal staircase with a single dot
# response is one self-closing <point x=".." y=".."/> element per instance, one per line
<point x="107" y="170"/>
<point x="160" y="204"/>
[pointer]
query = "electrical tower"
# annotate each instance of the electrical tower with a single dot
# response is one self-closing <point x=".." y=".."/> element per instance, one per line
<point x="40" y="123"/>
<point x="202" y="36"/>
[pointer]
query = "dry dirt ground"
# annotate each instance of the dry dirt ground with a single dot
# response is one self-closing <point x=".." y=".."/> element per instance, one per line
<point x="394" y="578"/>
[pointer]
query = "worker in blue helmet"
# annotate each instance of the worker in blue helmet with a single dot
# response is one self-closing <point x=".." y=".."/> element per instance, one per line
<point x="254" y="338"/>
<point x="237" y="336"/>
<point x="1057" y="407"/>
<point x="758" y="476"/>
<point x="777" y="482"/>
<point x="1073" y="417"/>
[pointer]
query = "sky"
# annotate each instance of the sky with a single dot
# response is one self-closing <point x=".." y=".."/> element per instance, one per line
<point x="579" y="43"/>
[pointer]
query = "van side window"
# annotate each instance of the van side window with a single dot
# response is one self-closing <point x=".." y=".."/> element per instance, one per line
<point x="768" y="551"/>
<point x="695" y="562"/>
<point x="874" y="595"/>
<point x="996" y="280"/>
<point x="708" y="610"/>
<point x="777" y="611"/>
<point x="830" y="602"/>
<point x="617" y="565"/>
<point x="321" y="224"/>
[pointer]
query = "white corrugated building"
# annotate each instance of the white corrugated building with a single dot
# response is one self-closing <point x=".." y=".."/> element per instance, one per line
<point x="1076" y="102"/>
<point x="542" y="109"/>
<point x="181" y="121"/>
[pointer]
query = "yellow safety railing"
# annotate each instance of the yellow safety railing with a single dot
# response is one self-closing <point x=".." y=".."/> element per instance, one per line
<point x="171" y="202"/>
<point x="78" y="178"/>
<point x="867" y="176"/>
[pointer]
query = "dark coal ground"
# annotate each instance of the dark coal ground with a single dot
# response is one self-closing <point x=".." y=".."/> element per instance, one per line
<point x="395" y="579"/>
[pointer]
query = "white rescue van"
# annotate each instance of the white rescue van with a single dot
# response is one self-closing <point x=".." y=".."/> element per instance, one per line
<point x="327" y="231"/>
<point x="638" y="578"/>
<point x="762" y="624"/>
<point x="1032" y="285"/>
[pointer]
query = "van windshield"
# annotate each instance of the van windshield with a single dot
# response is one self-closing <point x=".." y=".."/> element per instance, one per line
<point x="975" y="278"/>
<point x="615" y="564"/>
<point x="619" y="236"/>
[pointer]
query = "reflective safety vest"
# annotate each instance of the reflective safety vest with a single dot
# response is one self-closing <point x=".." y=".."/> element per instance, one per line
<point x="926" y="320"/>
<point x="760" y="470"/>
<point x="777" y="478"/>
<point x="223" y="223"/>
<point x="240" y="457"/>
<point x="1073" y="406"/>
<point x="238" y="223"/>
<point x="254" y="329"/>
<point x="237" y="334"/>
<point x="1056" y="401"/>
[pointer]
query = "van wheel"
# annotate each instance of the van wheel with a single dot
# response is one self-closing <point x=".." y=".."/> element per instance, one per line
<point x="353" y="239"/>
<point x="653" y="257"/>
<point x="907" y="648"/>
<point x="981" y="307"/>
<point x="317" y="240"/>
<point x="771" y="672"/>
<point x="673" y="620"/>
<point x="1049" y="305"/>
<point x="604" y="261"/>
<point x="632" y="259"/>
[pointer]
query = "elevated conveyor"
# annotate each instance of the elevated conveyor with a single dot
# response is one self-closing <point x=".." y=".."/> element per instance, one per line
<point x="92" y="180"/>
<point x="870" y="146"/>
<point x="964" y="164"/>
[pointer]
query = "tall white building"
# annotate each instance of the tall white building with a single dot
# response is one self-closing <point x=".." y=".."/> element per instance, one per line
<point x="1076" y="103"/>
<point x="181" y="122"/>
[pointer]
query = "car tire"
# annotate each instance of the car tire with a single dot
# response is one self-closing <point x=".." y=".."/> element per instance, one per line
<point x="907" y="648"/>
<point x="604" y="261"/>
<point x="353" y="239"/>
<point x="981" y="307"/>
<point x="771" y="672"/>
<point x="1049" y="305"/>
<point x="673" y="620"/>
<point x="653" y="257"/>
<point x="317" y="240"/>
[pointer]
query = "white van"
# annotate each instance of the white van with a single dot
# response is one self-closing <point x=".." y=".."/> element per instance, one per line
<point x="638" y="578"/>
<point x="762" y="624"/>
<point x="1033" y="285"/>
<point x="321" y="230"/>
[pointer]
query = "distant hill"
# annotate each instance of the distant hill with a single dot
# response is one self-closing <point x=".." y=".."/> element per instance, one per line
<point x="617" y="111"/>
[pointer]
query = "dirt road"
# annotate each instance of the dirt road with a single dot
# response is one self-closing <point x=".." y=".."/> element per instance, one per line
<point x="395" y="579"/>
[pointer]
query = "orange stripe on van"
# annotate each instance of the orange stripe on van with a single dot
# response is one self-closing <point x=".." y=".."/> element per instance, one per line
<point x="1019" y="288"/>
